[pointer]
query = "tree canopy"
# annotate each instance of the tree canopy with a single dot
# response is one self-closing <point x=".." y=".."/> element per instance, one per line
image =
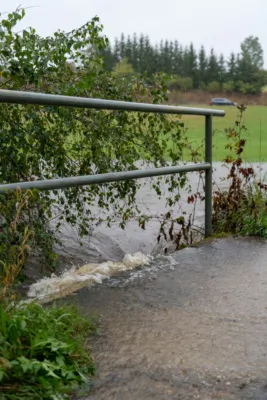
<point x="242" y="72"/>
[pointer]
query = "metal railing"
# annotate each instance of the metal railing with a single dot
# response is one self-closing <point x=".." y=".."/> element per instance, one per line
<point x="17" y="97"/>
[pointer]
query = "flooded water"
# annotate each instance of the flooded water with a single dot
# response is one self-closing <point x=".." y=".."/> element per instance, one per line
<point x="113" y="243"/>
<point x="77" y="277"/>
<point x="102" y="253"/>
<point x="189" y="325"/>
<point x="195" y="329"/>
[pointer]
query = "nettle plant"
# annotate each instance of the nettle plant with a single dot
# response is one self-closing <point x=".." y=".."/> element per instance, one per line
<point x="46" y="142"/>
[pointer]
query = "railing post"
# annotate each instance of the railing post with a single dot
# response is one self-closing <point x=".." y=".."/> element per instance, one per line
<point x="208" y="176"/>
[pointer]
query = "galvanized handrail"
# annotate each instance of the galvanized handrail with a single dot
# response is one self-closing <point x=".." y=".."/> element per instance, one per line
<point x="13" y="96"/>
<point x="17" y="97"/>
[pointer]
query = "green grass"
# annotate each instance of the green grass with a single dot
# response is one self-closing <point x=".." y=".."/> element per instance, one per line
<point x="255" y="119"/>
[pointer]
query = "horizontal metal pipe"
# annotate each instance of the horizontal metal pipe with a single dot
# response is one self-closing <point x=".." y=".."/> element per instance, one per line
<point x="62" y="183"/>
<point x="18" y="97"/>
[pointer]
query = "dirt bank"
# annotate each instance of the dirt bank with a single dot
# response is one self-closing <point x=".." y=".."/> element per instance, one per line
<point x="202" y="97"/>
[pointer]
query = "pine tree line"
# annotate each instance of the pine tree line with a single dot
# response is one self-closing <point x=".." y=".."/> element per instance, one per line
<point x="188" y="68"/>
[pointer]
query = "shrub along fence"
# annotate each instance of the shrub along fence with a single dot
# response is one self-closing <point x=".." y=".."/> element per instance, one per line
<point x="17" y="97"/>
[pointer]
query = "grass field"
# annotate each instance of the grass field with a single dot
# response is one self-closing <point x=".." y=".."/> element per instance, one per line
<point x="255" y="119"/>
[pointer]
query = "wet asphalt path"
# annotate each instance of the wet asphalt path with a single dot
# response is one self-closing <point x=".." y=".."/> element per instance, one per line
<point x="196" y="329"/>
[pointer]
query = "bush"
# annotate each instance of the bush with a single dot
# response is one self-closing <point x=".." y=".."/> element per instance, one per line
<point x="54" y="142"/>
<point x="19" y="231"/>
<point x="179" y="82"/>
<point x="186" y="84"/>
<point x="241" y="209"/>
<point x="15" y="238"/>
<point x="214" y="87"/>
<point x="254" y="222"/>
<point x="248" y="88"/>
<point x="43" y="352"/>
<point x="202" y="85"/>
<point x="123" y="69"/>
<point x="173" y="82"/>
<point x="229" y="86"/>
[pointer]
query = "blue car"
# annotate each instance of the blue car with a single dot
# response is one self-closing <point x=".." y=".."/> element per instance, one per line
<point x="222" y="102"/>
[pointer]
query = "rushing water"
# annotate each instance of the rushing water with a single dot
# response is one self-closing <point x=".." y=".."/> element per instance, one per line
<point x="76" y="278"/>
<point x="109" y="251"/>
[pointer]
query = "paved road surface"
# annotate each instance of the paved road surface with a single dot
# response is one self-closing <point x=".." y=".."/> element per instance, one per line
<point x="193" y="330"/>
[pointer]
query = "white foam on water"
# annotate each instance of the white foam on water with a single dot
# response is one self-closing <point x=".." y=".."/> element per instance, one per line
<point x="78" y="277"/>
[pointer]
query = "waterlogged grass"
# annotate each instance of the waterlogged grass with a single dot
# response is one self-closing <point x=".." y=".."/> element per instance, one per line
<point x="43" y="352"/>
<point x="255" y="119"/>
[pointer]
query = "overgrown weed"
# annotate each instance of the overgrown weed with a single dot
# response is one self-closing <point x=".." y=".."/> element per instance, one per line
<point x="242" y="208"/>
<point x="239" y="210"/>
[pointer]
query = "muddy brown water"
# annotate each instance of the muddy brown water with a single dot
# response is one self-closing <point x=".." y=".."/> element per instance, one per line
<point x="195" y="328"/>
<point x="111" y="244"/>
